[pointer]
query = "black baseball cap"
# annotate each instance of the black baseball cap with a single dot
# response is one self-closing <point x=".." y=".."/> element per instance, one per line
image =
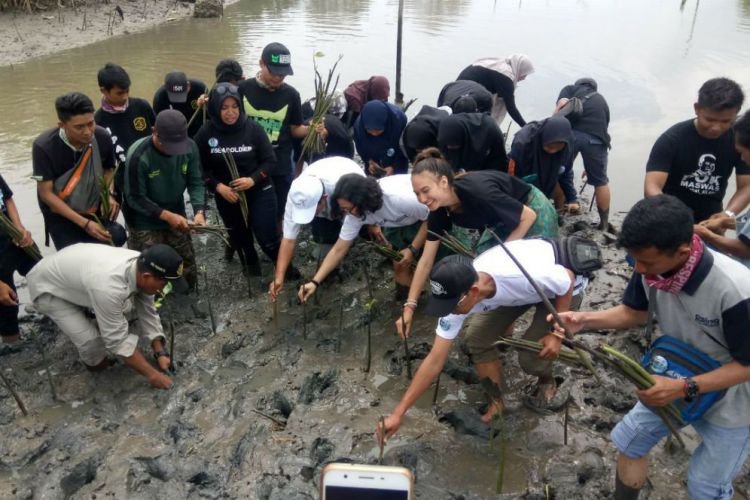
<point x="171" y="127"/>
<point x="162" y="261"/>
<point x="451" y="278"/>
<point x="176" y="84"/>
<point x="278" y="59"/>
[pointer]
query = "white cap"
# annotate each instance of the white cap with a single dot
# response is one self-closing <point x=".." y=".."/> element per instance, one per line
<point x="305" y="194"/>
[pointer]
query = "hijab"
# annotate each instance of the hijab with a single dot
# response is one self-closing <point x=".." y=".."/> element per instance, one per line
<point x="516" y="67"/>
<point x="422" y="131"/>
<point x="379" y="115"/>
<point x="220" y="93"/>
<point x="473" y="134"/>
<point x="532" y="161"/>
<point x="359" y="93"/>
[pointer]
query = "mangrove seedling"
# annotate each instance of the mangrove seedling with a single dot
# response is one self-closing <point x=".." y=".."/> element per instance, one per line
<point x="208" y="300"/>
<point x="407" y="355"/>
<point x="15" y="395"/>
<point x="381" y="425"/>
<point x="48" y="370"/>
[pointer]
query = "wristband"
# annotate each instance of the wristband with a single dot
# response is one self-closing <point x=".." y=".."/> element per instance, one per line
<point x="411" y="304"/>
<point x="414" y="251"/>
<point x="88" y="221"/>
<point x="557" y="334"/>
<point x="314" y="282"/>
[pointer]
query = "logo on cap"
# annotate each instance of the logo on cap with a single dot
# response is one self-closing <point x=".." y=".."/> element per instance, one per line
<point x="177" y="88"/>
<point x="437" y="288"/>
<point x="179" y="269"/>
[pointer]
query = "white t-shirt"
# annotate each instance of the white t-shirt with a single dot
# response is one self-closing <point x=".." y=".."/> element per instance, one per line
<point x="512" y="288"/>
<point x="400" y="208"/>
<point x="329" y="171"/>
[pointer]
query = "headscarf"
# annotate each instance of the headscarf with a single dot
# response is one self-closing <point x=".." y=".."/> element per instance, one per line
<point x="422" y="131"/>
<point x="473" y="134"/>
<point x="379" y="115"/>
<point x="586" y="83"/>
<point x="516" y="67"/>
<point x="532" y="162"/>
<point x="220" y="93"/>
<point x="361" y="92"/>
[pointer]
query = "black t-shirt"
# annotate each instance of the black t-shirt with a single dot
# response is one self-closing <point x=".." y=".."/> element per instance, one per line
<point x="498" y="84"/>
<point x="187" y="108"/>
<point x="51" y="158"/>
<point x="248" y="145"/>
<point x="5" y="194"/>
<point x="594" y="119"/>
<point x="275" y="111"/>
<point x="127" y="127"/>
<point x="698" y="168"/>
<point x="488" y="199"/>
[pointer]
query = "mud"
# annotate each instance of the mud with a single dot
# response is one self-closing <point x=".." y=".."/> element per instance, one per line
<point x="256" y="410"/>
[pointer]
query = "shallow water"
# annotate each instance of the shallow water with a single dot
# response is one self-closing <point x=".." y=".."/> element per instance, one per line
<point x="648" y="57"/>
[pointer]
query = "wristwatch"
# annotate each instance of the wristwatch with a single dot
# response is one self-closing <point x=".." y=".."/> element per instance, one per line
<point x="691" y="389"/>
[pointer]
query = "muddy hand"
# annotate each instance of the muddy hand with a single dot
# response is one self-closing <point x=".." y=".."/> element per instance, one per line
<point x="274" y="288"/>
<point x="387" y="428"/>
<point x="306" y="291"/>
<point x="159" y="380"/>
<point x="551" y="349"/>
<point x="165" y="362"/>
<point x="403" y="323"/>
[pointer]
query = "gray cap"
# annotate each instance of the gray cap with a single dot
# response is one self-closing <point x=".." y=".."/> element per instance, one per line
<point x="171" y="127"/>
<point x="176" y="84"/>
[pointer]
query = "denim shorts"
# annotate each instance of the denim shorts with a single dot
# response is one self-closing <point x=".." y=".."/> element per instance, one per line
<point x="715" y="462"/>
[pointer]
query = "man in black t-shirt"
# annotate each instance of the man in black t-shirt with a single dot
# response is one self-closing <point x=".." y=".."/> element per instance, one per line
<point x="694" y="159"/>
<point x="58" y="150"/>
<point x="181" y="93"/>
<point x="126" y="118"/>
<point x="277" y="107"/>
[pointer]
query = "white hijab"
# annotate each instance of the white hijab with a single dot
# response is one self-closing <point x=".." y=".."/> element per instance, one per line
<point x="516" y="67"/>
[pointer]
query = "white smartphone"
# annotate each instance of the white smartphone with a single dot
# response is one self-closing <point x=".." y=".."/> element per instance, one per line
<point x="366" y="482"/>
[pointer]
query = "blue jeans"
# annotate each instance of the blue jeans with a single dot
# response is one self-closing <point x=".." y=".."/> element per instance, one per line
<point x="714" y="464"/>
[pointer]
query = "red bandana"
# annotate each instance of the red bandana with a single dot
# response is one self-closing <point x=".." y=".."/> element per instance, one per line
<point x="674" y="283"/>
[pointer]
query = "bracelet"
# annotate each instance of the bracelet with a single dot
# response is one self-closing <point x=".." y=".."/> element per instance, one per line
<point x="414" y="251"/>
<point x="88" y="221"/>
<point x="557" y="334"/>
<point x="314" y="282"/>
<point x="411" y="304"/>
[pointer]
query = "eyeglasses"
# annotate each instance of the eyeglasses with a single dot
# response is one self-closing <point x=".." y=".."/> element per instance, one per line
<point x="224" y="88"/>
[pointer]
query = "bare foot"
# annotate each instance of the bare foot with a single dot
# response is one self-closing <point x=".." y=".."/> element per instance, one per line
<point x="493" y="410"/>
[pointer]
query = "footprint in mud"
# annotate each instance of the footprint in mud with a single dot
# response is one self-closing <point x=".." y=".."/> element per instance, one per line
<point x="317" y="386"/>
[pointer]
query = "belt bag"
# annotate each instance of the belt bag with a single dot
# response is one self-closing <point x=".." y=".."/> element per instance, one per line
<point x="670" y="357"/>
<point x="578" y="254"/>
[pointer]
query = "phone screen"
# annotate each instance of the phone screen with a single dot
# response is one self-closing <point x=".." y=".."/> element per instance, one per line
<point x="347" y="493"/>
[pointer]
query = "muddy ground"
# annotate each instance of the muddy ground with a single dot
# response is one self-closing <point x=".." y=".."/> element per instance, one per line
<point x="259" y="407"/>
<point x="51" y="29"/>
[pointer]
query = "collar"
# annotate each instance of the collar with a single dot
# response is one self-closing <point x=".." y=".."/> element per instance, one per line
<point x="64" y="137"/>
<point x="131" y="277"/>
<point x="263" y="84"/>
<point x="699" y="275"/>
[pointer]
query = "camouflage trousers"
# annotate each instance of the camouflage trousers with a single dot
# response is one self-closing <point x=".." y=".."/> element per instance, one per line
<point x="181" y="242"/>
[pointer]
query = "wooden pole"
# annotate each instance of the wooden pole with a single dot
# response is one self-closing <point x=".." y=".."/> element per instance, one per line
<point x="399" y="45"/>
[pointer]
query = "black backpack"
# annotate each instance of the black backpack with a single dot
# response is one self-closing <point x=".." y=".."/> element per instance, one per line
<point x="573" y="109"/>
<point x="580" y="255"/>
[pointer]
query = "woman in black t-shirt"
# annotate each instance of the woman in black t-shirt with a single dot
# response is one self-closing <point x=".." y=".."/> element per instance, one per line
<point x="475" y="200"/>
<point x="229" y="132"/>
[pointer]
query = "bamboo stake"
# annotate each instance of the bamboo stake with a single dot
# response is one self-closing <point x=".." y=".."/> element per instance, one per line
<point x="208" y="300"/>
<point x="341" y="324"/>
<point x="232" y="167"/>
<point x="49" y="376"/>
<point x="437" y="388"/>
<point x="15" y="395"/>
<point x="381" y="424"/>
<point x="585" y="360"/>
<point x="172" y="365"/>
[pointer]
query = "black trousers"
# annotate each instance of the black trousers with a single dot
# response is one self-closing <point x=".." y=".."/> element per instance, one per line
<point x="261" y="204"/>
<point x="12" y="259"/>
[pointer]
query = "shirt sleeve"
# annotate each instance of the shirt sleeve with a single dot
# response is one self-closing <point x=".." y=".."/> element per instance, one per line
<point x="108" y="306"/>
<point x="290" y="228"/>
<point x="350" y="228"/>
<point x="662" y="154"/>
<point x="195" y="186"/>
<point x="5" y="189"/>
<point x="295" y="110"/>
<point x="734" y="322"/>
<point x="439" y="223"/>
<point x="204" y="152"/>
<point x="448" y="327"/>
<point x="554" y="281"/>
<point x="635" y="296"/>
<point x="506" y="90"/>
<point x="135" y="186"/>
<point x="106" y="148"/>
<point x="503" y="209"/>
<point x="41" y="163"/>
<point x="566" y="92"/>
<point x="148" y="319"/>
<point x="266" y="157"/>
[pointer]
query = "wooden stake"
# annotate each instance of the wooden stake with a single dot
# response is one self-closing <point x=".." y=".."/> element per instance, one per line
<point x="15" y="395"/>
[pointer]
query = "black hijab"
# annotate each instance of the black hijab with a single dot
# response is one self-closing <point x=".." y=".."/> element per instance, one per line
<point x="220" y="93"/>
<point x="533" y="163"/>
<point x="422" y="131"/>
<point x="472" y="141"/>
